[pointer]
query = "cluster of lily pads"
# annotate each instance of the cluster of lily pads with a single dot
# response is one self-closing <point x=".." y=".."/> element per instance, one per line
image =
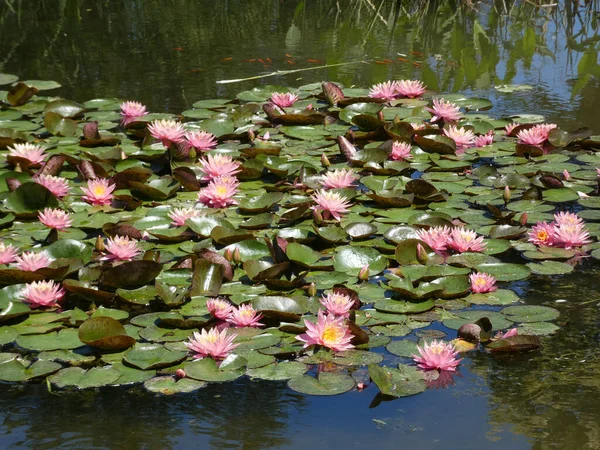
<point x="321" y="235"/>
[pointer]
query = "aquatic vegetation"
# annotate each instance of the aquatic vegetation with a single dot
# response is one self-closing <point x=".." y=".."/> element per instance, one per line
<point x="33" y="153"/>
<point x="319" y="234"/>
<point x="437" y="355"/>
<point x="131" y="109"/>
<point x="329" y="331"/>
<point x="410" y="88"/>
<point x="284" y="100"/>
<point x="386" y="90"/>
<point x="212" y="343"/>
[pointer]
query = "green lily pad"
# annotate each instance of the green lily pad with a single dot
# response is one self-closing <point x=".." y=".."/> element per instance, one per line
<point x="105" y="333"/>
<point x="357" y="358"/>
<point x="351" y="259"/>
<point x="14" y="370"/>
<point x="206" y="369"/>
<point x="153" y="356"/>
<point x="401" y="382"/>
<point x="325" y="384"/>
<point x="404" y="347"/>
<point x="283" y="370"/>
<point x="169" y="386"/>
<point x="550" y="268"/>
<point x="505" y="271"/>
<point x="530" y="313"/>
<point x="63" y="339"/>
<point x="82" y="379"/>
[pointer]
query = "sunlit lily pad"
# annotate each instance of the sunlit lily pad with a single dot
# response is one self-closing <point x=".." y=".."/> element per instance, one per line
<point x="401" y="382"/>
<point x="169" y="386"/>
<point x="530" y="313"/>
<point x="325" y="384"/>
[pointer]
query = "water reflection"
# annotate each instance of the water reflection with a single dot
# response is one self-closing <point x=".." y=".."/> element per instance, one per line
<point x="170" y="53"/>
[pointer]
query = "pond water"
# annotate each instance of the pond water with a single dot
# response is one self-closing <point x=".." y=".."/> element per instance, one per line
<point x="169" y="54"/>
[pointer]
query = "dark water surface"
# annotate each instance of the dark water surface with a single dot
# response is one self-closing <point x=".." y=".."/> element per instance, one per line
<point x="169" y="54"/>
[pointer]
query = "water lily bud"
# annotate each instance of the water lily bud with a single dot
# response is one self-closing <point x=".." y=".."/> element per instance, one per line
<point x="180" y="373"/>
<point x="12" y="184"/>
<point x="332" y="92"/>
<point x="363" y="275"/>
<point x="90" y="130"/>
<point x="312" y="290"/>
<point x="237" y="256"/>
<point x="317" y="217"/>
<point x="228" y="255"/>
<point x="251" y="135"/>
<point x="18" y="168"/>
<point x="523" y="218"/>
<point x="506" y="194"/>
<point x="99" y="244"/>
<point x="325" y="160"/>
<point x="192" y="154"/>
<point x="309" y="107"/>
<point x="566" y="175"/>
<point x="422" y="255"/>
<point x="380" y="116"/>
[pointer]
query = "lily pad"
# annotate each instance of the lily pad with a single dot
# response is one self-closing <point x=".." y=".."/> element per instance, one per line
<point x="325" y="384"/>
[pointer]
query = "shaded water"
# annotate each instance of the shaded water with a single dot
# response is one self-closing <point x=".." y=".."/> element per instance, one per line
<point x="169" y="54"/>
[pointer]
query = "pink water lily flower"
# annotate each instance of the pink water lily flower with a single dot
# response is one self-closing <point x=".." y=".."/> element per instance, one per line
<point x="219" y="308"/>
<point x="410" y="88"/>
<point x="437" y="355"/>
<point x="218" y="166"/>
<point x="386" y="90"/>
<point x="438" y="238"/>
<point x="570" y="236"/>
<point x="337" y="304"/>
<point x="130" y="109"/>
<point x="34" y="153"/>
<point x="443" y="110"/>
<point x="55" y="218"/>
<point x="245" y="316"/>
<point x="339" y="179"/>
<point x="211" y="343"/>
<point x="167" y="131"/>
<point x="219" y="192"/>
<point x="98" y="192"/>
<point x="121" y="248"/>
<point x="57" y="185"/>
<point x="283" y="99"/>
<point x="484" y="140"/>
<point x="511" y="126"/>
<point x="201" y="140"/>
<point x="463" y="138"/>
<point x="31" y="261"/>
<point x="542" y="234"/>
<point x="464" y="240"/>
<point x="507" y="334"/>
<point x="567" y="218"/>
<point x="43" y="294"/>
<point x="331" y="204"/>
<point x="8" y="253"/>
<point x="180" y="215"/>
<point x="535" y="135"/>
<point x="329" y="331"/>
<point x="401" y="151"/>
<point x="482" y="283"/>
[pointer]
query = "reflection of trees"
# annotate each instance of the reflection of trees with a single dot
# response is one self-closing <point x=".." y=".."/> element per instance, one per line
<point x="169" y="53"/>
<point x="552" y="396"/>
<point x="251" y="414"/>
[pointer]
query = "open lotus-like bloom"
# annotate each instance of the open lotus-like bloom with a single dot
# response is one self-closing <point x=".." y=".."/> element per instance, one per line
<point x="437" y="355"/>
<point x="201" y="140"/>
<point x="507" y="334"/>
<point x="55" y="218"/>
<point x="484" y="140"/>
<point x="121" y="248"/>
<point x="570" y="236"/>
<point x="535" y="135"/>
<point x="57" y="185"/>
<point x="329" y="331"/>
<point x="410" y="88"/>
<point x="438" y="238"/>
<point x="218" y="166"/>
<point x="386" y="90"/>
<point x="219" y="308"/>
<point x="331" y="204"/>
<point x="283" y="99"/>
<point x="463" y="138"/>
<point x="180" y="215"/>
<point x="219" y="192"/>
<point x="400" y="151"/>
<point x="8" y="253"/>
<point x="443" y="110"/>
<point x="567" y="218"/>
<point x="34" y="153"/>
<point x="511" y="126"/>
<point x="542" y="234"/>
<point x="132" y="109"/>
<point x="245" y="316"/>
<point x="212" y="343"/>
<point x="167" y="131"/>
<point x="31" y="261"/>
<point x="482" y="283"/>
<point x="464" y="240"/>
<point x="339" y="179"/>
<point x="43" y="293"/>
<point x="337" y="304"/>
<point x="98" y="192"/>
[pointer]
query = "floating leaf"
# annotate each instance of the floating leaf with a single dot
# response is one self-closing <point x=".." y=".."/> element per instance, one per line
<point x="325" y="384"/>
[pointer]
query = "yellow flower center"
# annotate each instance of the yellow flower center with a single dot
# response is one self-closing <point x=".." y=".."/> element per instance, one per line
<point x="221" y="190"/>
<point x="542" y="235"/>
<point x="99" y="190"/>
<point x="332" y="334"/>
<point x="246" y="312"/>
<point x="480" y="282"/>
<point x="212" y="337"/>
